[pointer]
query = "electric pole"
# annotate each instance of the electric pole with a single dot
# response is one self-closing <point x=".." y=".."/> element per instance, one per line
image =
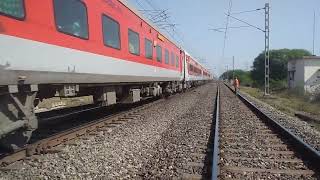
<point x="266" y="52"/>
<point x="314" y="30"/>
<point x="232" y="67"/>
<point x="266" y="41"/>
<point x="227" y="73"/>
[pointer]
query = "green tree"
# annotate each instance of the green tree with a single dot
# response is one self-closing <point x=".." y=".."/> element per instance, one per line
<point x="278" y="65"/>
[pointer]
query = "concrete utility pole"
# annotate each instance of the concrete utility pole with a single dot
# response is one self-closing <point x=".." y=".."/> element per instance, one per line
<point x="227" y="72"/>
<point x="232" y="67"/>
<point x="266" y="52"/>
<point x="314" y="31"/>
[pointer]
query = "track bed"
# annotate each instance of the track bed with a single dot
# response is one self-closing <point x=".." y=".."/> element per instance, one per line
<point x="250" y="149"/>
<point x="161" y="141"/>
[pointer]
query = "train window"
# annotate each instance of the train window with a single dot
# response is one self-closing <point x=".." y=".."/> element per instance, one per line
<point x="134" y="42"/>
<point x="71" y="17"/>
<point x="166" y="56"/>
<point x="111" y="32"/>
<point x="159" y="53"/>
<point x="177" y="61"/>
<point x="172" y="59"/>
<point x="148" y="48"/>
<point x="12" y="8"/>
<point x="191" y="68"/>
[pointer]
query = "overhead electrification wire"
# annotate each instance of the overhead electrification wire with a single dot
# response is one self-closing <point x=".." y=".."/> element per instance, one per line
<point x="241" y="12"/>
<point x="229" y="15"/>
<point x="139" y="4"/>
<point x="171" y="27"/>
<point x="233" y="27"/>
<point x="161" y="19"/>
<point x="217" y="30"/>
<point x="245" y="22"/>
<point x="162" y="14"/>
<point x="226" y="29"/>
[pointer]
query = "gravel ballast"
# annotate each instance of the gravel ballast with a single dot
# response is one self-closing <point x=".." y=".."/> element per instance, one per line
<point x="250" y="149"/>
<point x="300" y="128"/>
<point x="157" y="145"/>
<point x="185" y="136"/>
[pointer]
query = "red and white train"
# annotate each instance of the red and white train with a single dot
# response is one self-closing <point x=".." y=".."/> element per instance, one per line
<point x="73" y="48"/>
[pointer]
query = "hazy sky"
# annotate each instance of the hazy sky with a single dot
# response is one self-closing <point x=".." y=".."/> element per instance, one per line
<point x="291" y="24"/>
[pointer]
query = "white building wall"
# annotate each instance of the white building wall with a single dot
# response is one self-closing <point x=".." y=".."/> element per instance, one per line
<point x="312" y="75"/>
<point x="296" y="66"/>
<point x="299" y="75"/>
<point x="306" y="74"/>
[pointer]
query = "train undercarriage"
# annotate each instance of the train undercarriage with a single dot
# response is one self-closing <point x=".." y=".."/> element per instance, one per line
<point x="18" y="119"/>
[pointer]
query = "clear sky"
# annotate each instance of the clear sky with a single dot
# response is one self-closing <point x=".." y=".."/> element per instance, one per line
<point x="291" y="26"/>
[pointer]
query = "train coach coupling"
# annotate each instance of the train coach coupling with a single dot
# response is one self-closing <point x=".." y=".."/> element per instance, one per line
<point x="17" y="116"/>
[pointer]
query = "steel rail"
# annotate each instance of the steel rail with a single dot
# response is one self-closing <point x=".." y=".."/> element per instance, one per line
<point x="47" y="145"/>
<point x="305" y="150"/>
<point x="215" y="155"/>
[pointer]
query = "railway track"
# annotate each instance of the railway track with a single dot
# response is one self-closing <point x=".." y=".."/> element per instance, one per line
<point x="183" y="150"/>
<point x="62" y="128"/>
<point x="250" y="145"/>
<point x="64" y="131"/>
<point x="242" y="144"/>
<point x="200" y="160"/>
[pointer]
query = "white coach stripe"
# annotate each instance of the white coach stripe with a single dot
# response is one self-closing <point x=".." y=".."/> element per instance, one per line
<point x="22" y="54"/>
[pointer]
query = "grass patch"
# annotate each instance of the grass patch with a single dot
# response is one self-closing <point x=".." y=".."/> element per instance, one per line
<point x="285" y="101"/>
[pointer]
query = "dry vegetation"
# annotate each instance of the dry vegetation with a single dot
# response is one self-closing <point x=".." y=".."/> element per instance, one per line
<point x="287" y="102"/>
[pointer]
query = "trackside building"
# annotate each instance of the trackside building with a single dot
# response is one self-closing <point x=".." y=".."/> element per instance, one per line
<point x="305" y="73"/>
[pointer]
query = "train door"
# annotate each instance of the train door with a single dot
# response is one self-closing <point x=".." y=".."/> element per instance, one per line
<point x="181" y="63"/>
<point x="182" y="68"/>
<point x="187" y="71"/>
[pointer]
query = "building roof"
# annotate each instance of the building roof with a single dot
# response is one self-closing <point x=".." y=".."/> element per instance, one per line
<point x="306" y="58"/>
<point x="311" y="57"/>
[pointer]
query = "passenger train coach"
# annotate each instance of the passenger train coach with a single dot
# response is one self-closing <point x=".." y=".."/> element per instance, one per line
<point x="71" y="48"/>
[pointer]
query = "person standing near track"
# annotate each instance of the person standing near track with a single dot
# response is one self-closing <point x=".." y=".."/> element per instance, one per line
<point x="236" y="85"/>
